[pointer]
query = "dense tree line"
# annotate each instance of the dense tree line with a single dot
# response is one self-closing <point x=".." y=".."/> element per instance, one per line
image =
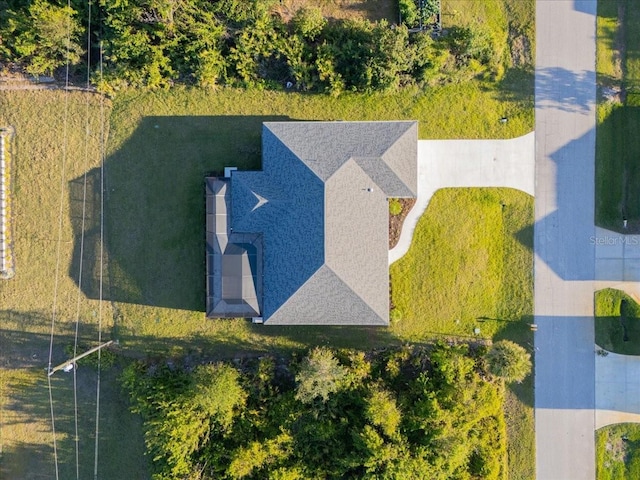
<point x="412" y="412"/>
<point x="157" y="43"/>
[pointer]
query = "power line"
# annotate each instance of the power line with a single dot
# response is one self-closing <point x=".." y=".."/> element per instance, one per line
<point x="102" y="159"/>
<point x="82" y="240"/>
<point x="54" y="308"/>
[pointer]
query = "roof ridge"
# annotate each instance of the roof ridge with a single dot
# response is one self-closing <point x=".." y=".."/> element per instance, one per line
<point x="350" y="288"/>
<point x="326" y="268"/>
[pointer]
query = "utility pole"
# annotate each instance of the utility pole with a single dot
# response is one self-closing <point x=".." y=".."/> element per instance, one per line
<point x="73" y="360"/>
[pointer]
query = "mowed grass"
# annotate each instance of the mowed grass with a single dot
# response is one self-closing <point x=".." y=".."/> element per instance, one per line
<point x="618" y="452"/>
<point x="617" y="142"/>
<point x="26" y="301"/>
<point x="155" y="208"/>
<point x="617" y="322"/>
<point x="608" y="61"/>
<point x="469" y="265"/>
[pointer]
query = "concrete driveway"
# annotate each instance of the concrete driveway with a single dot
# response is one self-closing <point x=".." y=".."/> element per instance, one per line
<point x="617" y="256"/>
<point x="617" y="389"/>
<point x="467" y="163"/>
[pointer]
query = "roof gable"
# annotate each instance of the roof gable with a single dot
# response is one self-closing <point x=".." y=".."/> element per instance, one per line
<point x="325" y="299"/>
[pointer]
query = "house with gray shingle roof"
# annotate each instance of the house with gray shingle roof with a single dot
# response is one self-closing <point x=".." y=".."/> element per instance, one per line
<point x="309" y="232"/>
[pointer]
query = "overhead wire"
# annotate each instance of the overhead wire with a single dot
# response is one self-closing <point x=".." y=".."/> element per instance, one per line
<point x="87" y="135"/>
<point x="100" y="285"/>
<point x="54" y="308"/>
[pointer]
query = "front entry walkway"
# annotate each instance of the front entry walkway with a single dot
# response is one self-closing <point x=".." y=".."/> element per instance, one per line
<point x="467" y="163"/>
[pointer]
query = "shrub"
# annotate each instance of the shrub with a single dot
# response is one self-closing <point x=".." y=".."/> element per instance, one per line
<point x="509" y="361"/>
<point x="395" y="207"/>
<point x="408" y="12"/>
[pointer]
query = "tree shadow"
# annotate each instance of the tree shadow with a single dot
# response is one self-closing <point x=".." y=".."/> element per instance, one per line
<point x="154" y="208"/>
<point x="564" y="90"/>
<point x="517" y="85"/>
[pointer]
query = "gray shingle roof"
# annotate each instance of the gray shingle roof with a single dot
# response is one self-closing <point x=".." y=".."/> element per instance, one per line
<point x="320" y="203"/>
<point x="233" y="262"/>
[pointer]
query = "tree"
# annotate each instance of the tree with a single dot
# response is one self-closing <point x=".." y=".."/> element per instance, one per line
<point x="320" y="375"/>
<point x="48" y="37"/>
<point x="509" y="361"/>
<point x="217" y="392"/>
<point x="408" y="12"/>
<point x="308" y="22"/>
<point x="383" y="412"/>
<point x="182" y="409"/>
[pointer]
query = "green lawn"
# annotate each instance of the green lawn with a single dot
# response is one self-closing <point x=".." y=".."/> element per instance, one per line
<point x="618" y="452"/>
<point x="617" y="142"/>
<point x="468" y="269"/>
<point x="617" y="322"/>
<point x="26" y="302"/>
<point x="608" y="61"/>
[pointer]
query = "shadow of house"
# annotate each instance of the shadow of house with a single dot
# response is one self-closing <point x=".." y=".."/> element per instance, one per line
<point x="585" y="6"/>
<point x="564" y="239"/>
<point x="154" y="213"/>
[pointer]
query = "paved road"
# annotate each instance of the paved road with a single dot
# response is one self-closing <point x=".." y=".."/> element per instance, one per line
<point x="564" y="252"/>
<point x="467" y="163"/>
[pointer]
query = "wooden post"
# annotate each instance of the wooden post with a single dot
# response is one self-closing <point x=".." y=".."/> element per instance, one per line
<point x="78" y="357"/>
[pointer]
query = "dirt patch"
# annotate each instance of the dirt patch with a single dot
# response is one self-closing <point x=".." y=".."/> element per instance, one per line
<point x="342" y="9"/>
<point x="617" y="449"/>
<point x="520" y="49"/>
<point x="396" y="221"/>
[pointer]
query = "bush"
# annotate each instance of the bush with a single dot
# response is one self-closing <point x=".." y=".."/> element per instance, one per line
<point x="509" y="361"/>
<point x="395" y="207"/>
<point x="408" y="12"/>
